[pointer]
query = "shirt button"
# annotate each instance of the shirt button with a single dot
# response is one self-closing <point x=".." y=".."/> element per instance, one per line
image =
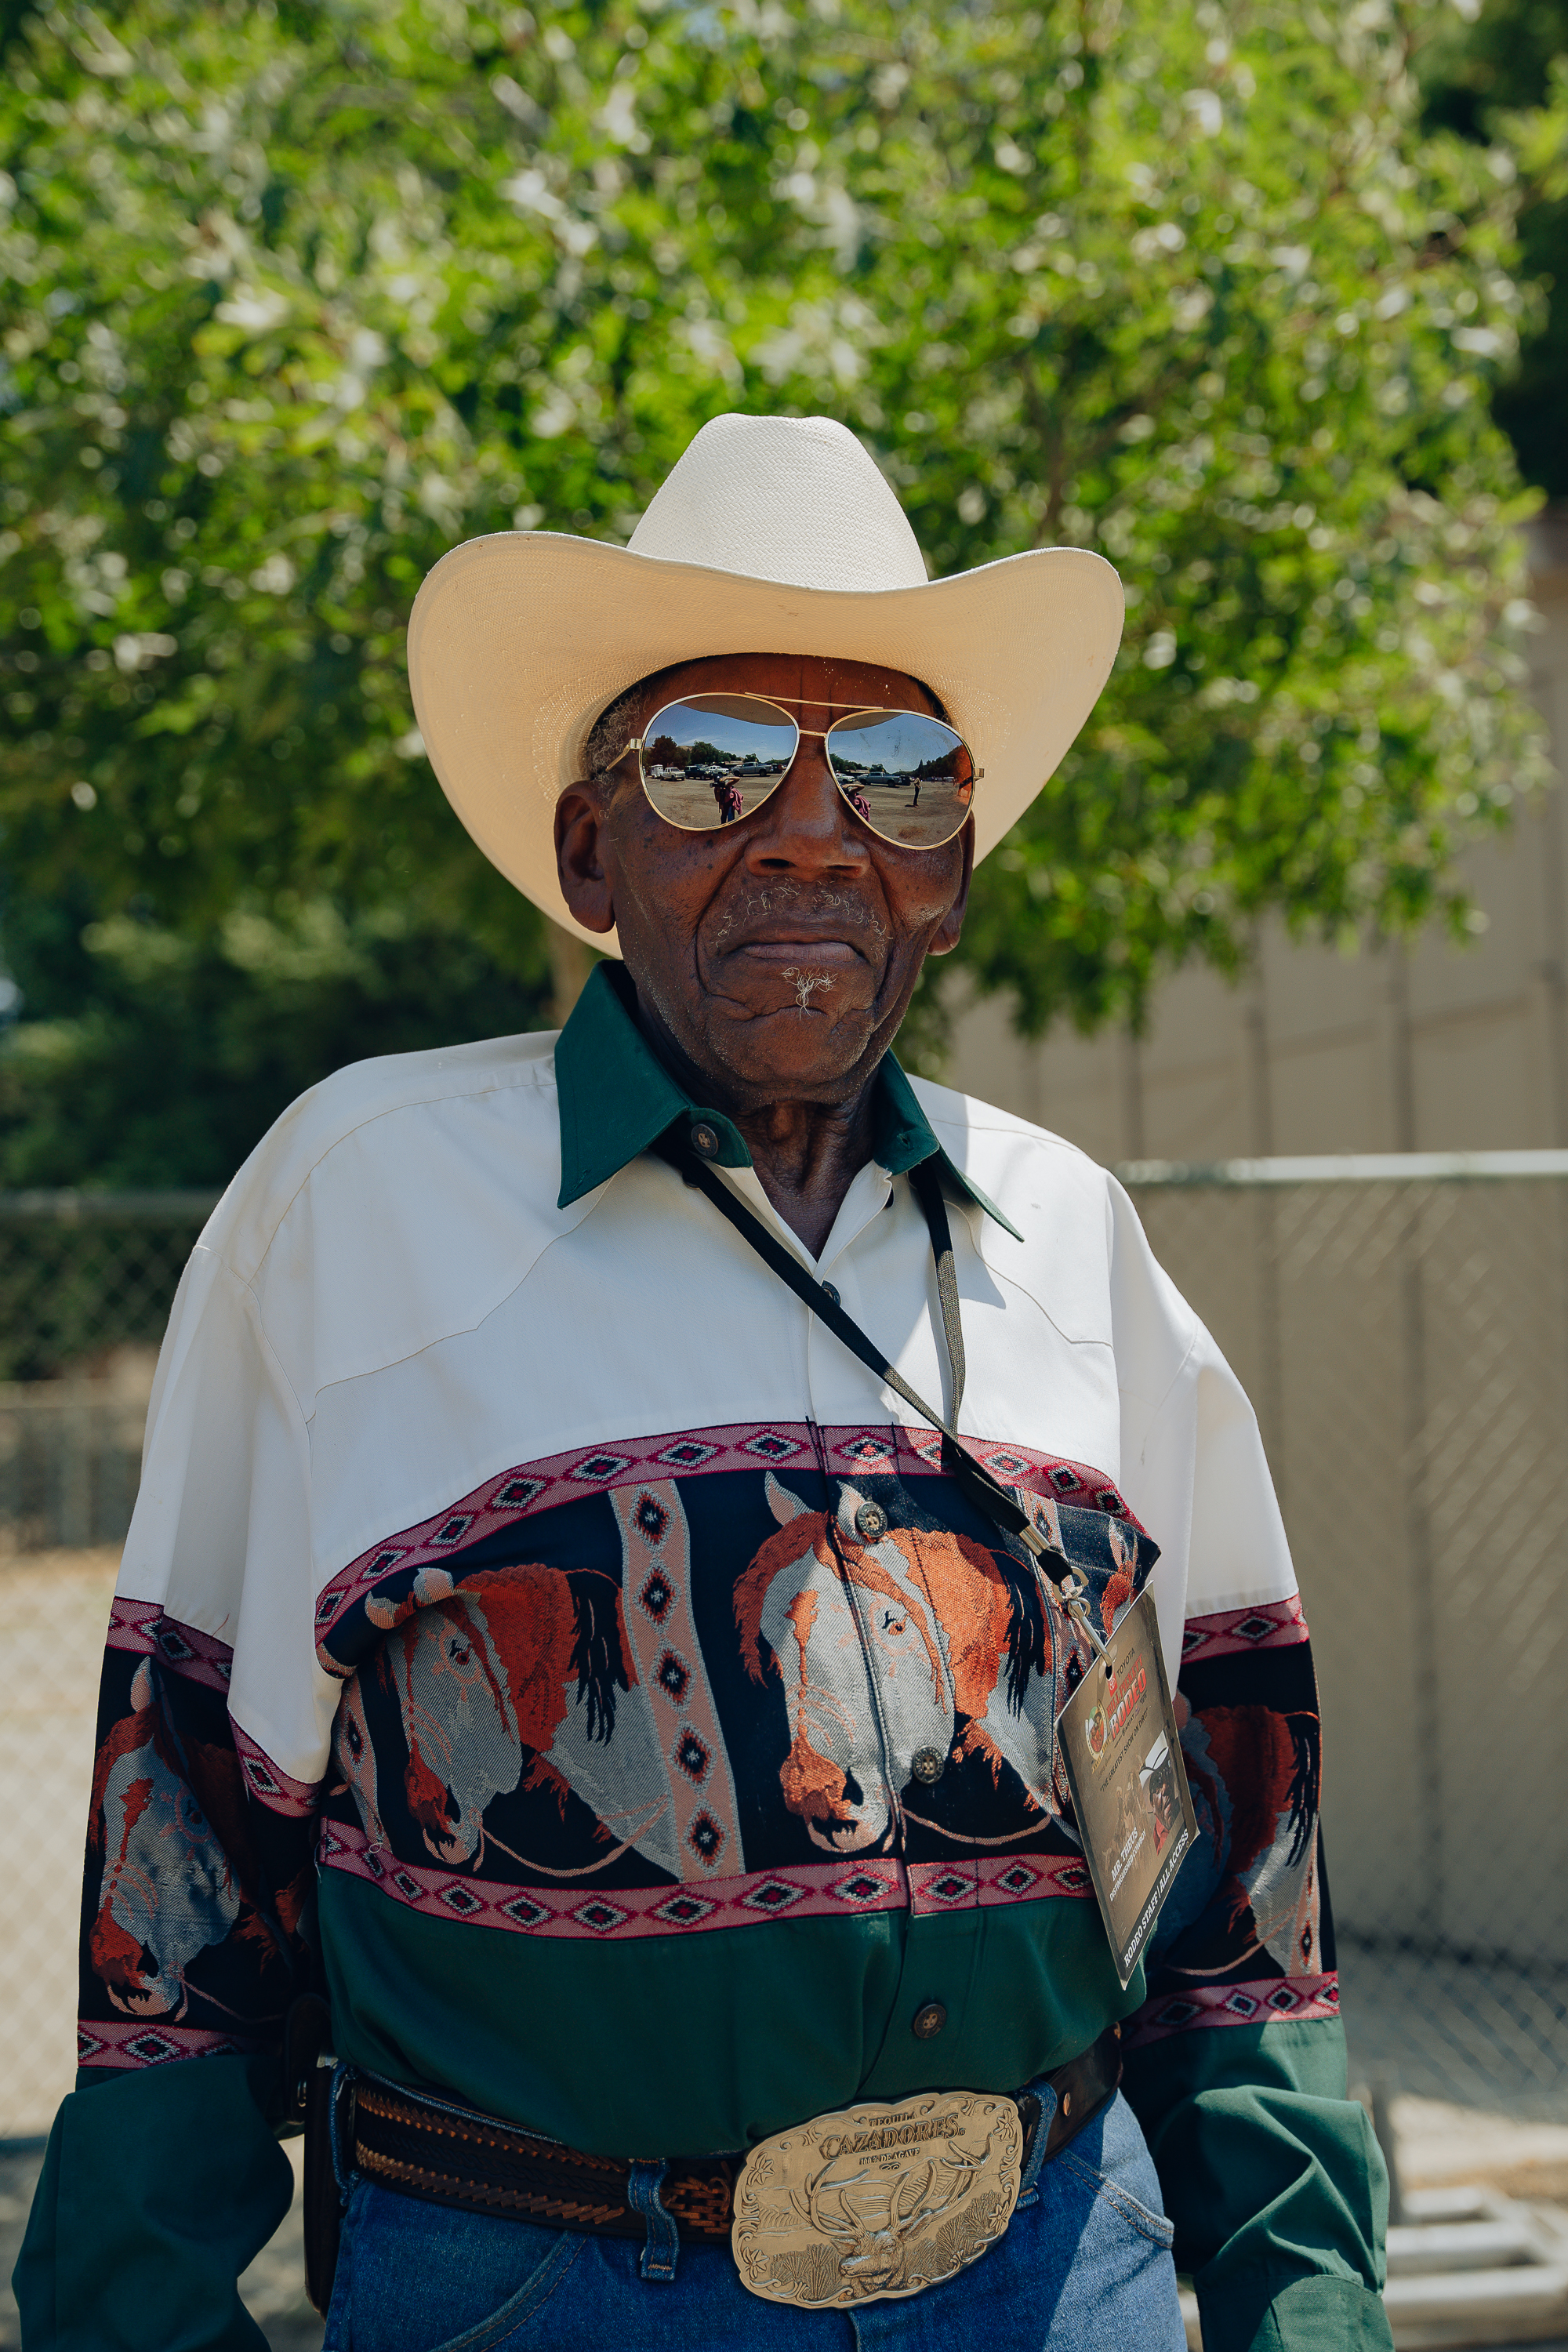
<point x="870" y="1521"/>
<point x="828" y="1292"/>
<point x="928" y="1765"/>
<point x="704" y="1139"/>
<point x="927" y="2021"/>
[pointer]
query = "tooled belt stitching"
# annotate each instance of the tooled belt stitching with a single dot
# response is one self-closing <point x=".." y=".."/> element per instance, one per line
<point x="422" y="2182"/>
<point x="426" y="2153"/>
<point x="435" y="2152"/>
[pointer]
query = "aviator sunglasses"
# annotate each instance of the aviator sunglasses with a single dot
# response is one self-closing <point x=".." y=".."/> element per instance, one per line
<point x="711" y="759"/>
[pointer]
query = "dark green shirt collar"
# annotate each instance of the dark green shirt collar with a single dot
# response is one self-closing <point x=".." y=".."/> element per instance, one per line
<point x="616" y="1098"/>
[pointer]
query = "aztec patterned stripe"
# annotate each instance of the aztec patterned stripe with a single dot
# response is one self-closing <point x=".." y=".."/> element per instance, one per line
<point x="656" y="1586"/>
<point x="1230" y="1631"/>
<point x="998" y="1879"/>
<point x="132" y="2042"/>
<point x="829" y="1890"/>
<point x="140" y="1626"/>
<point x="1266" y="2000"/>
<point x="270" y="1784"/>
<point x="518" y="1494"/>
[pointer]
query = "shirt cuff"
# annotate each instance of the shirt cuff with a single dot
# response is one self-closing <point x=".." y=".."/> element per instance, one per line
<point x="1256" y="2311"/>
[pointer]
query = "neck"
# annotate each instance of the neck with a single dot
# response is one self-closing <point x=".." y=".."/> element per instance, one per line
<point x="806" y="1154"/>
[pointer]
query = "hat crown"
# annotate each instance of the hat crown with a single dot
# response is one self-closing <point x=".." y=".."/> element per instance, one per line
<point x="796" y="500"/>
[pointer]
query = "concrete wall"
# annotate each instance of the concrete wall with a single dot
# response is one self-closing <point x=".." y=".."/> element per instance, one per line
<point x="1439" y="1048"/>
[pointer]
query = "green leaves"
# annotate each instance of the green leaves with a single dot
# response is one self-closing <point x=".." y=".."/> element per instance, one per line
<point x="294" y="299"/>
<point x="1222" y="314"/>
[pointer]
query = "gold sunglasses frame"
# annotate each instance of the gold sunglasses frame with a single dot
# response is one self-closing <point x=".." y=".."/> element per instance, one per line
<point x="638" y="744"/>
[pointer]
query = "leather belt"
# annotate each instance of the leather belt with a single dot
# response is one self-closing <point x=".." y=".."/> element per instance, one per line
<point x="454" y="2155"/>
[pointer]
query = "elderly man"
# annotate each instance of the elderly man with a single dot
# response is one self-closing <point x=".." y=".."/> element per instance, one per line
<point x="626" y="1518"/>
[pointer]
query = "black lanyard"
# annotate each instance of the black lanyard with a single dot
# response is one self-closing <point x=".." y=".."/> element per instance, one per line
<point x="975" y="1481"/>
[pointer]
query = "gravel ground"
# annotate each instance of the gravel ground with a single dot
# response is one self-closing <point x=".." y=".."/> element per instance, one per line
<point x="1440" y="2144"/>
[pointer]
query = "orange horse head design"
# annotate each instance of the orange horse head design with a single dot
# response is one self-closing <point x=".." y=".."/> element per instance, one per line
<point x="881" y="1645"/>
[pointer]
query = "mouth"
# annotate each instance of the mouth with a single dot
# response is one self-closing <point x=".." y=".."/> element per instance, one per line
<point x="791" y="951"/>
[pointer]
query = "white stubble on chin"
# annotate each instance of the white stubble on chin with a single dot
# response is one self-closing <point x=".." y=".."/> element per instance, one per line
<point x="807" y="984"/>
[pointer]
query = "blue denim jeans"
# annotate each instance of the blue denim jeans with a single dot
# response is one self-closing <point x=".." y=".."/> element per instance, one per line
<point x="1085" y="2266"/>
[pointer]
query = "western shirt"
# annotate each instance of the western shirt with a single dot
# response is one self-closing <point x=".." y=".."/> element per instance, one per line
<point x="535" y="1623"/>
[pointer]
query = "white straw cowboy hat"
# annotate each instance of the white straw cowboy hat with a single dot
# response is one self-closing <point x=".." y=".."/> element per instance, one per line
<point x="771" y="535"/>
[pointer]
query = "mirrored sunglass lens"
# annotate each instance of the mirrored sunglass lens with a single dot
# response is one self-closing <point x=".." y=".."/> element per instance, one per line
<point x="911" y="778"/>
<point x="714" y="760"/>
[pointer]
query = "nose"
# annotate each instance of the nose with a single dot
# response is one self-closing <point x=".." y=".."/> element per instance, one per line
<point x="806" y="828"/>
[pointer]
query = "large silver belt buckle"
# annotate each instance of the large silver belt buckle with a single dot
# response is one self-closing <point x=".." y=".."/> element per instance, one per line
<point x="876" y="2200"/>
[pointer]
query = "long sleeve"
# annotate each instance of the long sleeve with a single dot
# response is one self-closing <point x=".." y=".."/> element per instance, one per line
<point x="1235" y="2062"/>
<point x="162" y="2176"/>
<point x="157" y="2190"/>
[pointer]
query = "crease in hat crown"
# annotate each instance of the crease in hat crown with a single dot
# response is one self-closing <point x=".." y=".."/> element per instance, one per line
<point x="794" y="500"/>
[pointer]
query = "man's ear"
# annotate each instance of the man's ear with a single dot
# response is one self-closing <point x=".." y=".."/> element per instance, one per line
<point x="580" y="845"/>
<point x="945" y="937"/>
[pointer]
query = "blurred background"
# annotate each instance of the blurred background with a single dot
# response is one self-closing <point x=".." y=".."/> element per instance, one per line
<point x="1268" y="302"/>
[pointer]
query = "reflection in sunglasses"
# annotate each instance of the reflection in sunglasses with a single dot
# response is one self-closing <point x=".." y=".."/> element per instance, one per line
<point x="710" y="760"/>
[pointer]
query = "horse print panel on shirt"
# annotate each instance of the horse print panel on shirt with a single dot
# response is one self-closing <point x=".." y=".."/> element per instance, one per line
<point x="887" y="1645"/>
<point x="1246" y="1937"/>
<point x="195" y="1888"/>
<point x="168" y="1887"/>
<point x="681" y="1685"/>
<point x="722" y="1676"/>
<point x="509" y="1498"/>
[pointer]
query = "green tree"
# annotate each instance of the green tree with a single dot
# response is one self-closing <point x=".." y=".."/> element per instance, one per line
<point x="1195" y="287"/>
<point x="296" y="296"/>
<point x="154" y="1055"/>
<point x="1509" y="57"/>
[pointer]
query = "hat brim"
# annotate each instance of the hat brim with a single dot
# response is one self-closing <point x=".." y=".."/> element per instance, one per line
<point x="518" y="641"/>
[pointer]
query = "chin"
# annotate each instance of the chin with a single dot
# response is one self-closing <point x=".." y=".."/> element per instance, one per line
<point x="774" y="1051"/>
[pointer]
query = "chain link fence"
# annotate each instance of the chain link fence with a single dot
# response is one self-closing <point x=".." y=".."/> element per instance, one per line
<point x="86" y="1284"/>
<point x="1402" y="1326"/>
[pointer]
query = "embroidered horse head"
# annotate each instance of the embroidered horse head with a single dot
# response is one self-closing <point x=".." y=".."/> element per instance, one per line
<point x="881" y="1646"/>
<point x="514" y="1679"/>
<point x="168" y="1889"/>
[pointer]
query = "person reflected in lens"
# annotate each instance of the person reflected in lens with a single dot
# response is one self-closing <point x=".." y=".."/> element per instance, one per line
<point x="737" y="747"/>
